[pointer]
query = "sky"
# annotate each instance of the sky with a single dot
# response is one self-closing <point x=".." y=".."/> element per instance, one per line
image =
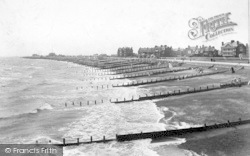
<point x="86" y="27"/>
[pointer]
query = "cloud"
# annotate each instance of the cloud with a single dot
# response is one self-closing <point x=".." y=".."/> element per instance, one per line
<point x="96" y="26"/>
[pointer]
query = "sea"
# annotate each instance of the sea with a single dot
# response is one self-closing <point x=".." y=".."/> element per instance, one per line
<point x="47" y="100"/>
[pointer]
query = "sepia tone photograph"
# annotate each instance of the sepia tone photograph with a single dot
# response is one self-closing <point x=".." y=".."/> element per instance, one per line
<point x="124" y="78"/>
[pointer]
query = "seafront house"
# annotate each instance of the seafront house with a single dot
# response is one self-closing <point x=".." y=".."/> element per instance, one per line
<point x="190" y="51"/>
<point x="125" y="52"/>
<point x="233" y="49"/>
<point x="157" y="51"/>
<point x="208" y="51"/>
<point x="178" y="51"/>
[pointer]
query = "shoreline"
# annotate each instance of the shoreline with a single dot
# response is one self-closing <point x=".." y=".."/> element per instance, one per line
<point x="169" y="112"/>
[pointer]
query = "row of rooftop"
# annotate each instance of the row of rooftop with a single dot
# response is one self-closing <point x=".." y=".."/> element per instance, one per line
<point x="229" y="49"/>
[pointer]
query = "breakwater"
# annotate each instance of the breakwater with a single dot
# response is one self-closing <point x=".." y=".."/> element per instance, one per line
<point x="121" y="65"/>
<point x="181" y="77"/>
<point x="159" y="95"/>
<point x="142" y="69"/>
<point x="150" y="73"/>
<point x="158" y="134"/>
<point x="179" y="132"/>
<point x="128" y="67"/>
<point x="182" y="92"/>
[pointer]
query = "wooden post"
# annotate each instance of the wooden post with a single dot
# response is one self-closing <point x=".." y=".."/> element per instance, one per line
<point x="88" y="103"/>
<point x="95" y="102"/>
<point x="103" y="138"/>
<point x="65" y="104"/>
<point x="78" y="140"/>
<point x="64" y="142"/>
<point x="91" y="139"/>
<point x="80" y="103"/>
<point x="73" y="103"/>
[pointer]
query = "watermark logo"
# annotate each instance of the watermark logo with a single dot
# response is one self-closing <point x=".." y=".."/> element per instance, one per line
<point x="210" y="28"/>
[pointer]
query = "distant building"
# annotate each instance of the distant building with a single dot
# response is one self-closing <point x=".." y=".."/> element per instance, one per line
<point x="125" y="52"/>
<point x="52" y="54"/>
<point x="247" y="51"/>
<point x="35" y="55"/>
<point x="102" y="56"/>
<point x="178" y="51"/>
<point x="157" y="51"/>
<point x="190" y="51"/>
<point x="233" y="49"/>
<point x="208" y="51"/>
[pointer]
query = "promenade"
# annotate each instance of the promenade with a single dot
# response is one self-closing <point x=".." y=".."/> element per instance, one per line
<point x="209" y="62"/>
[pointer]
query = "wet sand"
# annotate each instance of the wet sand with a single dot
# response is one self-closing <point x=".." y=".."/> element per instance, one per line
<point x="209" y="107"/>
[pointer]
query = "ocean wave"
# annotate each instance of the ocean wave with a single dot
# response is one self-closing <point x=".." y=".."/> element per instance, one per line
<point x="41" y="139"/>
<point x="192" y="153"/>
<point x="133" y="148"/>
<point x="74" y="152"/>
<point x="182" y="125"/>
<point x="168" y="141"/>
<point x="45" y="106"/>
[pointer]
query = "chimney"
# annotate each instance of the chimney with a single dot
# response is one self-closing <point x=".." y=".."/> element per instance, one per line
<point x="232" y="41"/>
<point x="222" y="43"/>
<point x="238" y="42"/>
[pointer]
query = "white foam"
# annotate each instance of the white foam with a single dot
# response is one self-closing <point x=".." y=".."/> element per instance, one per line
<point x="41" y="140"/>
<point x="174" y="141"/>
<point x="45" y="106"/>
<point x="181" y="125"/>
<point x="192" y="153"/>
<point x="73" y="152"/>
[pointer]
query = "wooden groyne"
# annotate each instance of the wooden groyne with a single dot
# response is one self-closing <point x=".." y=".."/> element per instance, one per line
<point x="181" y="92"/>
<point x="141" y="69"/>
<point x="158" y="134"/>
<point x="150" y="73"/>
<point x="181" y="77"/>
<point x="159" y="95"/>
<point x="149" y="67"/>
<point x="121" y="65"/>
<point x="179" y="132"/>
<point x="128" y="67"/>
